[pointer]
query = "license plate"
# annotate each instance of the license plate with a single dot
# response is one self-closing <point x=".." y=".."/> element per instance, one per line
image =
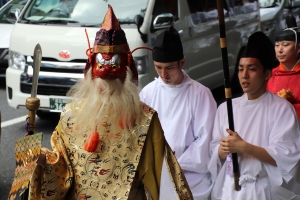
<point x="57" y="104"/>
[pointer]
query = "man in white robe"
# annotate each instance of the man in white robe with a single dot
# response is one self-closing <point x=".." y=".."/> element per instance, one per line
<point x="186" y="110"/>
<point x="267" y="137"/>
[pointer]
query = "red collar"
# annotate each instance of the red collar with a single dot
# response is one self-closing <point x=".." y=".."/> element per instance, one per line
<point x="296" y="69"/>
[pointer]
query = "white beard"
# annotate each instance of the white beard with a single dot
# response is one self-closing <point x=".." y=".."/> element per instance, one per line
<point x="92" y="100"/>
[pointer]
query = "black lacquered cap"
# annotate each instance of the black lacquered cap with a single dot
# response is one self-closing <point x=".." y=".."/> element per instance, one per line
<point x="291" y="33"/>
<point x="168" y="46"/>
<point x="261" y="47"/>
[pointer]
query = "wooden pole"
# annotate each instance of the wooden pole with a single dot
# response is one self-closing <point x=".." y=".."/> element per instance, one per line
<point x="228" y="93"/>
<point x="33" y="103"/>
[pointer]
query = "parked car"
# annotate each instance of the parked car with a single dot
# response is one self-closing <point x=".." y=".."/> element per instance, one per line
<point x="273" y="14"/>
<point x="62" y="33"/>
<point x="8" y="11"/>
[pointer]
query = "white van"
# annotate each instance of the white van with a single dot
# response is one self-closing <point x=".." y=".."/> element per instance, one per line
<point x="273" y="14"/>
<point x="7" y="11"/>
<point x="60" y="30"/>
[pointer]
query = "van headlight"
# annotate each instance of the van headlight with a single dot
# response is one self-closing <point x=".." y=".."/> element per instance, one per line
<point x="141" y="64"/>
<point x="16" y="60"/>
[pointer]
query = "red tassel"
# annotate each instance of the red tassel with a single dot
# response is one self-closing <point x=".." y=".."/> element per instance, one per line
<point x="92" y="142"/>
<point x="121" y="123"/>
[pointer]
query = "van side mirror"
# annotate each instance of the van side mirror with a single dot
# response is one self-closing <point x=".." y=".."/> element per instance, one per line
<point x="162" y="21"/>
<point x="138" y="20"/>
<point x="13" y="15"/>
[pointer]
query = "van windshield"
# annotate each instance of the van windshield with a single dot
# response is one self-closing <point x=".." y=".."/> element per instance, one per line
<point x="82" y="12"/>
<point x="12" y="9"/>
<point x="269" y="3"/>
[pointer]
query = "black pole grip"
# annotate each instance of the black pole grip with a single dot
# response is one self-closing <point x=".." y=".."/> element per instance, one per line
<point x="228" y="95"/>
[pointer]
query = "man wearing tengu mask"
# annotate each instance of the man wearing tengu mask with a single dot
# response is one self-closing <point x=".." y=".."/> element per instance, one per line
<point x="108" y="144"/>
<point x="267" y="135"/>
<point x="186" y="110"/>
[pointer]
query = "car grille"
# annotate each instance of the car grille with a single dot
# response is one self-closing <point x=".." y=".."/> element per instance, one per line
<point x="54" y="65"/>
<point x="59" y="90"/>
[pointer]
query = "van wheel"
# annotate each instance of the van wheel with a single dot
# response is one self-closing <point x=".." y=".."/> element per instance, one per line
<point x="47" y="115"/>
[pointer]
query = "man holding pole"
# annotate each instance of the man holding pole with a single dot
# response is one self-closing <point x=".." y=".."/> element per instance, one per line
<point x="267" y="134"/>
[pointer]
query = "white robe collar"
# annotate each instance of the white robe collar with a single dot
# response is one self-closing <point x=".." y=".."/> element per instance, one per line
<point x="186" y="81"/>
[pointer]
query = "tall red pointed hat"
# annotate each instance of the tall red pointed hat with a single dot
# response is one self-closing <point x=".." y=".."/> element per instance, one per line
<point x="110" y="38"/>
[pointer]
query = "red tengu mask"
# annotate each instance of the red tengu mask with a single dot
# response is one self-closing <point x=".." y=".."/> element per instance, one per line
<point x="110" y="55"/>
<point x="109" y="66"/>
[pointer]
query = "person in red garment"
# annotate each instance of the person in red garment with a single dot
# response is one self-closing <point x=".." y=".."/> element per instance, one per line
<point x="285" y="78"/>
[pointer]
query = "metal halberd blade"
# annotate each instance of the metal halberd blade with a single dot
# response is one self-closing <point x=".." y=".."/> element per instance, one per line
<point x="37" y="59"/>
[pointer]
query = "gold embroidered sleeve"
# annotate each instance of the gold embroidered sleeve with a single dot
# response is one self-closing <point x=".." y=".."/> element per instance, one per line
<point x="54" y="180"/>
<point x="152" y="158"/>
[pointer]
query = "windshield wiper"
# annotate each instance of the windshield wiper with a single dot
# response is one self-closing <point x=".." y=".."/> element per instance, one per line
<point x="90" y="25"/>
<point x="126" y="22"/>
<point x="61" y="21"/>
<point x="53" y="21"/>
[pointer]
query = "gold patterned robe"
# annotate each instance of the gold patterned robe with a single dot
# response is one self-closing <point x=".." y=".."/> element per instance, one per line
<point x="126" y="165"/>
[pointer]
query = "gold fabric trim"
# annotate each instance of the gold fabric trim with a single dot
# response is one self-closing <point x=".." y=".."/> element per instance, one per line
<point x="124" y="48"/>
<point x="179" y="180"/>
<point x="27" y="151"/>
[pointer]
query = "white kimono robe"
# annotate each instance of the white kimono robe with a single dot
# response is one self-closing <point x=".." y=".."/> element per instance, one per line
<point x="186" y="112"/>
<point x="269" y="122"/>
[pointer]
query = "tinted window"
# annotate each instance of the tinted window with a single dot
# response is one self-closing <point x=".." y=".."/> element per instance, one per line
<point x="165" y="6"/>
<point x="205" y="10"/>
<point x="245" y="6"/>
<point x="269" y="3"/>
<point x="10" y="10"/>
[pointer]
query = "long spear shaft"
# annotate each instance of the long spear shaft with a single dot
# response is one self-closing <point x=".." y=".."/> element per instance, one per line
<point x="228" y="94"/>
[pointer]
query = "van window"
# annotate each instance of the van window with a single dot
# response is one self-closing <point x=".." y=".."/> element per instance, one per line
<point x="10" y="10"/>
<point x="82" y="12"/>
<point x="245" y="6"/>
<point x="206" y="10"/>
<point x="269" y="4"/>
<point x="165" y="6"/>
